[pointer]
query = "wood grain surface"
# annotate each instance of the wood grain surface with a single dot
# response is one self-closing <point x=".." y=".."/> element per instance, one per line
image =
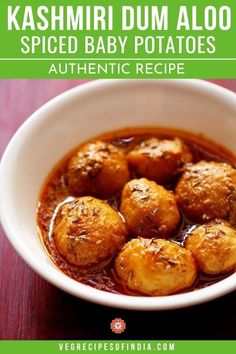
<point x="30" y="308"/>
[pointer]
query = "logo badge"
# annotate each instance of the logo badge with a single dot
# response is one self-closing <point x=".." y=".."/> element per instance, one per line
<point x="118" y="325"/>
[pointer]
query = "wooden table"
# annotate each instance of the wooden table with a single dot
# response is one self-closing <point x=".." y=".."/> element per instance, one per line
<point x="30" y="308"/>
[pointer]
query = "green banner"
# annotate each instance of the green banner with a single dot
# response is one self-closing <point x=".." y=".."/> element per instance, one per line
<point x="119" y="346"/>
<point x="123" y="39"/>
<point x="150" y="69"/>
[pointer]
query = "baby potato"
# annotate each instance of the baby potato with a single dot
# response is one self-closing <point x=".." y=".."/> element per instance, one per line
<point x="213" y="246"/>
<point x="149" y="209"/>
<point x="155" y="267"/>
<point x="88" y="232"/>
<point x="159" y="160"/>
<point x="207" y="190"/>
<point x="98" y="169"/>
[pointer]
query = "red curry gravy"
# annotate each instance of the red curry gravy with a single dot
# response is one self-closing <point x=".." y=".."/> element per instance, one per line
<point x="55" y="192"/>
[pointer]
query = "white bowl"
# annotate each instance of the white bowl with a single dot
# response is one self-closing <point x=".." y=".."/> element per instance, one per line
<point x="86" y="111"/>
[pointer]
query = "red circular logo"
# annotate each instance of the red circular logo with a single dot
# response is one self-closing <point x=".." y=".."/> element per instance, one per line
<point x="118" y="325"/>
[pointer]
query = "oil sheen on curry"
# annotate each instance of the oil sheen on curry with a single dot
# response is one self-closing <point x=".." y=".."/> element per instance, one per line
<point x="148" y="211"/>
